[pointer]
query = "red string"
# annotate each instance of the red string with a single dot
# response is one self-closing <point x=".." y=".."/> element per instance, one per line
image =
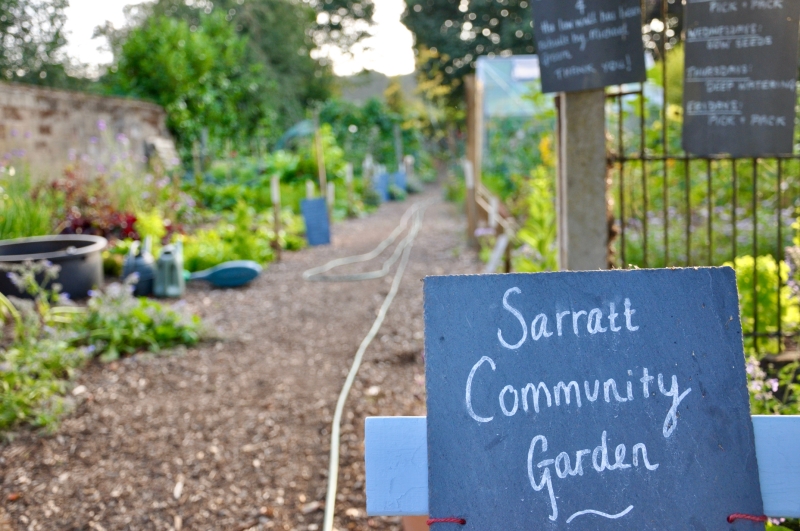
<point x="737" y="516"/>
<point x="459" y="521"/>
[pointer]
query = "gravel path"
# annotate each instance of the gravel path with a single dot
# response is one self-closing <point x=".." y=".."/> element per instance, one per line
<point x="234" y="434"/>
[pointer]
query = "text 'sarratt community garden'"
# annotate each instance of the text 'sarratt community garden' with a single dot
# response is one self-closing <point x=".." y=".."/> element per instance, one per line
<point x="588" y="401"/>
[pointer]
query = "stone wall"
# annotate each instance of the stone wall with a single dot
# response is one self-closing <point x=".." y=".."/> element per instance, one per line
<point x="46" y="128"/>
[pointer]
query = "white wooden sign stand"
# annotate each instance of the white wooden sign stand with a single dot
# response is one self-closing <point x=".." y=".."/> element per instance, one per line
<point x="397" y="465"/>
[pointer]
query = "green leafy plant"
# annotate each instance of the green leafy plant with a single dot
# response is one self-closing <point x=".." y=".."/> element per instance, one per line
<point x="762" y="300"/>
<point x="242" y="235"/>
<point x="117" y="323"/>
<point x="22" y="213"/>
<point x="50" y="338"/>
<point x="538" y="251"/>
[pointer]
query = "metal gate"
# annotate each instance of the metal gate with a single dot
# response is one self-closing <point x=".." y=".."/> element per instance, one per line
<point x="674" y="209"/>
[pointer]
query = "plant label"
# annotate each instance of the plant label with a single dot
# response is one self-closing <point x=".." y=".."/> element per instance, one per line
<point x="589" y="401"/>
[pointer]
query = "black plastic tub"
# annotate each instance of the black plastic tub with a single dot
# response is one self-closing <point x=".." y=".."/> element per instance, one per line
<point x="79" y="255"/>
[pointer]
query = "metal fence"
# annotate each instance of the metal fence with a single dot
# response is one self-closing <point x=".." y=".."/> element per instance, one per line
<point x="674" y="209"/>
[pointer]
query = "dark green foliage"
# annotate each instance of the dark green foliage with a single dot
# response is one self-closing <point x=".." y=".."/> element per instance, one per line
<point x="457" y="32"/>
<point x="199" y="74"/>
<point x="31" y="42"/>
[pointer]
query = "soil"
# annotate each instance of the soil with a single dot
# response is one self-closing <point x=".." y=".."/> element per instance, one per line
<point x="234" y="433"/>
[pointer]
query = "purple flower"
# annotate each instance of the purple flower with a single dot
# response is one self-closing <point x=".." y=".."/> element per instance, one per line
<point x="773" y="383"/>
<point x="14" y="133"/>
<point x="27" y="134"/>
<point x="101" y="125"/>
<point x="122" y="139"/>
<point x="94" y="293"/>
<point x="93" y="140"/>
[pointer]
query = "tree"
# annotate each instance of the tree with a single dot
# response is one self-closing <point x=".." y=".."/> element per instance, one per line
<point x="31" y="42"/>
<point x="451" y="34"/>
<point x="197" y="73"/>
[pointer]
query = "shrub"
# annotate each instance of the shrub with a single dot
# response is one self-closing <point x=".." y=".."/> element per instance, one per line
<point x="51" y="338"/>
<point x="764" y="302"/>
<point x="117" y="323"/>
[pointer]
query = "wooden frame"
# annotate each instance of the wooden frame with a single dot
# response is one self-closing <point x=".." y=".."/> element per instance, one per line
<point x="397" y="465"/>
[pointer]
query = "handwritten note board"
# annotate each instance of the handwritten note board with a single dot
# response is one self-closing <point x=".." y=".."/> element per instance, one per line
<point x="315" y="215"/>
<point x="740" y="77"/>
<point x="588" y="44"/>
<point x="589" y="401"/>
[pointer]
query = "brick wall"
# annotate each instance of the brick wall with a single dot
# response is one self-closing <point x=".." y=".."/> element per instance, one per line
<point x="46" y="128"/>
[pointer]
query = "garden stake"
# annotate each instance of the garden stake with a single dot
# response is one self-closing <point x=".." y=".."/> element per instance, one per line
<point x="275" y="185"/>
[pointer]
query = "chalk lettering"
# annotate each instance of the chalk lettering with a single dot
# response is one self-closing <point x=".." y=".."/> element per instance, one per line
<point x="505" y="411"/>
<point x="534" y="390"/>
<point x="559" y="316"/>
<point x="589" y="397"/>
<point x="566" y="389"/>
<point x="646" y="379"/>
<point x="593" y="323"/>
<point x="469" y="389"/>
<point x="610" y="384"/>
<point x="516" y="314"/>
<point x="628" y="314"/>
<point x="575" y="317"/>
<point x="671" y="422"/>
<point x="542" y="331"/>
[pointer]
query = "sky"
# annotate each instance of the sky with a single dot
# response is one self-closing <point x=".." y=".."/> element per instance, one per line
<point x="387" y="50"/>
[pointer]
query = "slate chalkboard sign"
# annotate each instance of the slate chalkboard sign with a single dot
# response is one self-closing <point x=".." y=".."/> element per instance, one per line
<point x="589" y="401"/>
<point x="588" y="44"/>
<point x="315" y="215"/>
<point x="740" y="77"/>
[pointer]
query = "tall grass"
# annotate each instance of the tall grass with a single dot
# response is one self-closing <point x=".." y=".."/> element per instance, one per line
<point x="22" y="214"/>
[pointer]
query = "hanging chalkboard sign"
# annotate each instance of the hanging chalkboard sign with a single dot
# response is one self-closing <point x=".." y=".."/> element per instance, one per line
<point x="588" y="44"/>
<point x="598" y="400"/>
<point x="741" y="77"/>
<point x="315" y="215"/>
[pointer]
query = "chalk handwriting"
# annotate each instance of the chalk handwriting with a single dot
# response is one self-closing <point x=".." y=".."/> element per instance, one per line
<point x="599" y="460"/>
<point x="594" y="322"/>
<point x="566" y="394"/>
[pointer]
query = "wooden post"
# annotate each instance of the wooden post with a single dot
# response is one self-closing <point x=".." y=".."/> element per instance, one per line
<point x="348" y="181"/>
<point x="323" y="177"/>
<point x="398" y="147"/>
<point x="581" y="205"/>
<point x="309" y="189"/>
<point x="331" y="196"/>
<point x="197" y="168"/>
<point x="494" y="209"/>
<point x="408" y="166"/>
<point x="474" y="148"/>
<point x="275" y="185"/>
<point x="471" y="205"/>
